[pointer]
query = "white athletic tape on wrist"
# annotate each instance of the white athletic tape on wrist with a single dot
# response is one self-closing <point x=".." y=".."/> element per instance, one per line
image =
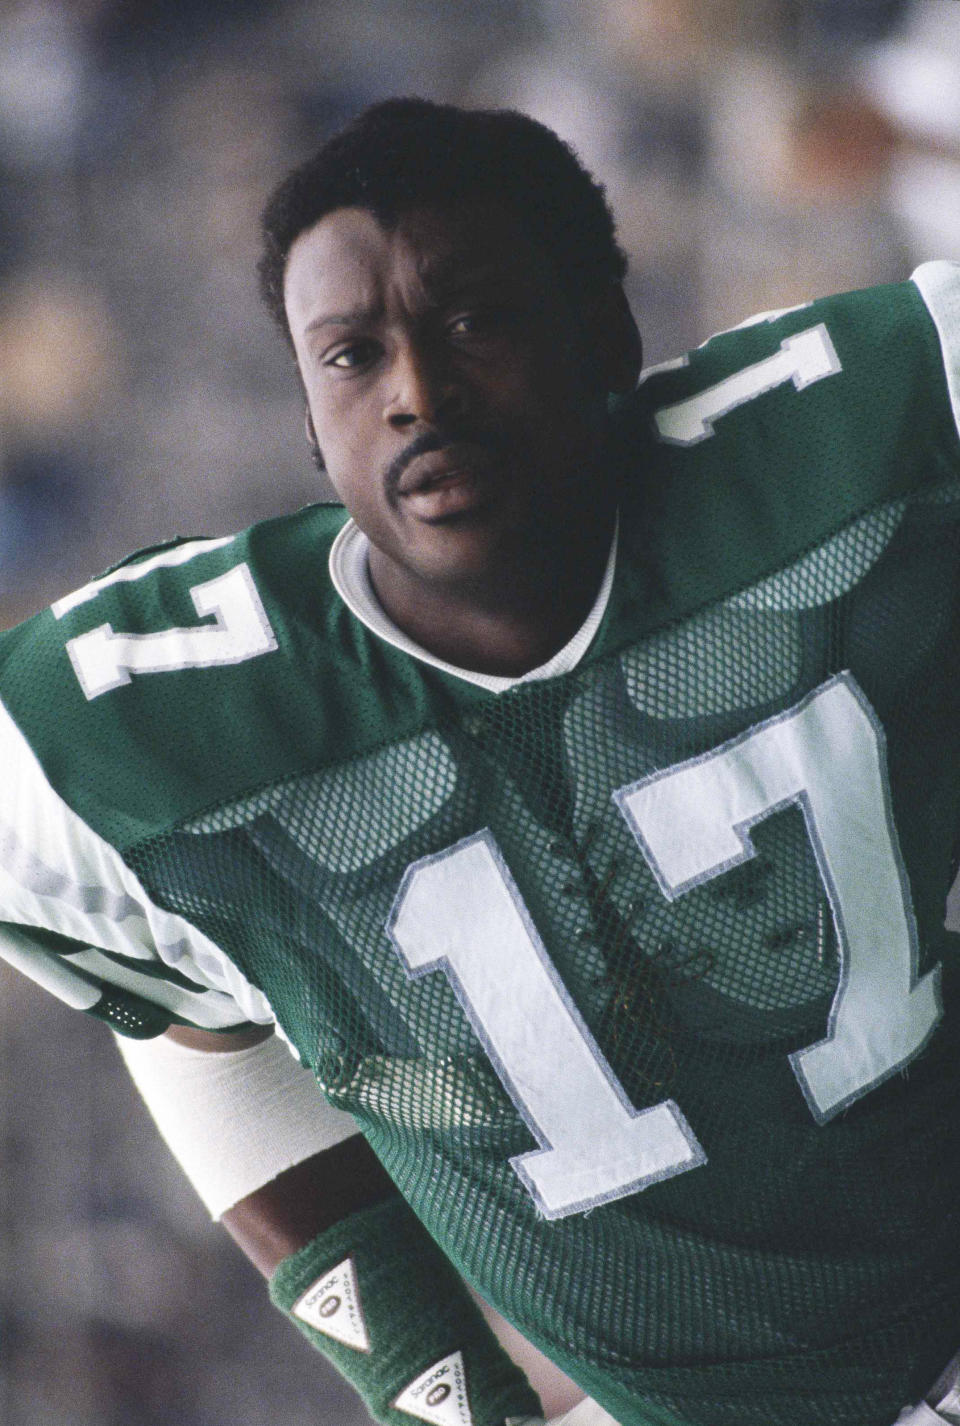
<point x="234" y="1119"/>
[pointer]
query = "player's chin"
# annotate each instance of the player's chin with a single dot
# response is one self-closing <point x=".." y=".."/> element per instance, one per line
<point x="467" y="546"/>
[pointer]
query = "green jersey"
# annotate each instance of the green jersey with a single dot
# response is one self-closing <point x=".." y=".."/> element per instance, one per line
<point x="635" y="974"/>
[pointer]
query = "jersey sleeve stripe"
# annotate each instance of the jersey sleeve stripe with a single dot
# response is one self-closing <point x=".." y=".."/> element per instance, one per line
<point x="35" y="875"/>
<point x="939" y="284"/>
<point x="79" y="980"/>
<point x="50" y="972"/>
<point x="205" y="1008"/>
<point x="75" y="884"/>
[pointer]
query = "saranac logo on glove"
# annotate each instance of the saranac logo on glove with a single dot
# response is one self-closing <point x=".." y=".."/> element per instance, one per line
<point x="439" y="1395"/>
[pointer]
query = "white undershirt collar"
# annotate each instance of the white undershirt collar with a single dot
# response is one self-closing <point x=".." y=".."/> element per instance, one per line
<point x="350" y="573"/>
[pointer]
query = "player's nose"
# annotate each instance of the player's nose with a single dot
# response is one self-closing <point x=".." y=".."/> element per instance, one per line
<point x="423" y="388"/>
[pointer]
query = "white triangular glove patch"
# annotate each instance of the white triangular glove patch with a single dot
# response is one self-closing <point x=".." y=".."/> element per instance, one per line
<point x="332" y="1306"/>
<point x="439" y="1395"/>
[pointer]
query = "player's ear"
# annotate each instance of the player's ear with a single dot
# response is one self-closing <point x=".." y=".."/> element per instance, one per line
<point x="312" y="441"/>
<point x="619" y="348"/>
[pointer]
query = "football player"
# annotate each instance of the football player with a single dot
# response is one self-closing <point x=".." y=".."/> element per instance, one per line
<point x="577" y="803"/>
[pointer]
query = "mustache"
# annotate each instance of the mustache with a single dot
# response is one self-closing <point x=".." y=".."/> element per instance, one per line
<point x="438" y="440"/>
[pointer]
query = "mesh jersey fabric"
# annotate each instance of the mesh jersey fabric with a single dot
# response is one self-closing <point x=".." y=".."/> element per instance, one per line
<point x="636" y="979"/>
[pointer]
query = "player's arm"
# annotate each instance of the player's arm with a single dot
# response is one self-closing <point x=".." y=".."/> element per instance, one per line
<point x="307" y="1201"/>
<point x="287" y="1212"/>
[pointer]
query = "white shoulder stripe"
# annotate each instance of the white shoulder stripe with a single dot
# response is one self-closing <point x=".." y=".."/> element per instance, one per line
<point x="177" y="554"/>
<point x="56" y="873"/>
<point x="46" y="969"/>
<point x="939" y="284"/>
<point x="35" y="875"/>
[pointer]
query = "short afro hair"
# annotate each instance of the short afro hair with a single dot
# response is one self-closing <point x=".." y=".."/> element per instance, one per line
<point x="411" y="153"/>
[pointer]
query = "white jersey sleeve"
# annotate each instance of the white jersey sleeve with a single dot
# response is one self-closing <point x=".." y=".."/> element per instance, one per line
<point x="74" y="918"/>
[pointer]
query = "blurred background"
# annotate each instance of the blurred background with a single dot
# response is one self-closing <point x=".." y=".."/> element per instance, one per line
<point x="757" y="152"/>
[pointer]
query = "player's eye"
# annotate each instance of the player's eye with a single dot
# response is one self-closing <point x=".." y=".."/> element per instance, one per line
<point x="350" y="356"/>
<point x="477" y="322"/>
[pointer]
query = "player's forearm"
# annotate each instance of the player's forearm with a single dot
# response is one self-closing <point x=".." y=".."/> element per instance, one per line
<point x="291" y="1210"/>
<point x="306" y="1199"/>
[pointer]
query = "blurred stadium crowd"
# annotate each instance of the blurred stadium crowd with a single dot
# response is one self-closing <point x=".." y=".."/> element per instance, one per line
<point x="757" y="152"/>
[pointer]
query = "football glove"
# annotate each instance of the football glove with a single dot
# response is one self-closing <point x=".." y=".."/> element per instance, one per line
<point x="378" y="1298"/>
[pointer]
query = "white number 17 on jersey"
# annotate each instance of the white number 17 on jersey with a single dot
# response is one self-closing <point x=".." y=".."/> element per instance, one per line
<point x="460" y="912"/>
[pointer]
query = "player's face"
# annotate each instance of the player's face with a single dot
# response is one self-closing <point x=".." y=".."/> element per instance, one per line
<point x="456" y="395"/>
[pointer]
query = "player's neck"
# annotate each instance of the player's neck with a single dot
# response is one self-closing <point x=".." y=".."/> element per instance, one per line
<point x="505" y="624"/>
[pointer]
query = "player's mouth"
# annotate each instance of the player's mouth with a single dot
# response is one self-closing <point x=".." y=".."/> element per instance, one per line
<point x="453" y="482"/>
